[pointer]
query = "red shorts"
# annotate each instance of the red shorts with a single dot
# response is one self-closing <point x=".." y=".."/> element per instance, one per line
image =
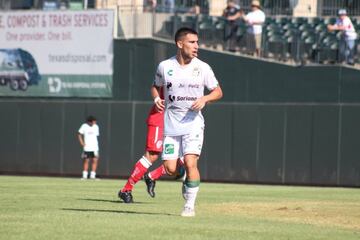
<point x="154" y="139"/>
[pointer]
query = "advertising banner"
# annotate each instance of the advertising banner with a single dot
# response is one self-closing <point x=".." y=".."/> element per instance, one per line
<point x="56" y="53"/>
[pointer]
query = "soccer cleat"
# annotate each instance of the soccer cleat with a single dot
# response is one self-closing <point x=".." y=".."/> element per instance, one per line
<point x="188" y="212"/>
<point x="126" y="196"/>
<point x="150" y="184"/>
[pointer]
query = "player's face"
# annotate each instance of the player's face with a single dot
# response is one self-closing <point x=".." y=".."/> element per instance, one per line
<point x="92" y="123"/>
<point x="189" y="45"/>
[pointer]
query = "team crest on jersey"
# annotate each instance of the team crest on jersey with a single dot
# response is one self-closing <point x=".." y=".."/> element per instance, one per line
<point x="196" y="72"/>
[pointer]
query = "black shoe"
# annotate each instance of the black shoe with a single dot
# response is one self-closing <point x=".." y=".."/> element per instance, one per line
<point x="126" y="196"/>
<point x="150" y="184"/>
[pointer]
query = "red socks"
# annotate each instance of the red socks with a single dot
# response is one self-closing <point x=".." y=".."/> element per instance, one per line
<point x="157" y="173"/>
<point x="140" y="169"/>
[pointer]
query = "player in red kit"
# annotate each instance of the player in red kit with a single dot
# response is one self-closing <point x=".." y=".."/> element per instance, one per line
<point x="153" y="149"/>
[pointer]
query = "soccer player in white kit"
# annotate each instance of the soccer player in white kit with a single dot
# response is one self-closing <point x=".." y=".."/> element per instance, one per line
<point x="87" y="135"/>
<point x="183" y="78"/>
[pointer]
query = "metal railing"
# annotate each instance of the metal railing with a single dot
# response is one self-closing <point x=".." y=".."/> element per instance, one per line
<point x="293" y="40"/>
<point x="331" y="7"/>
<point x="271" y="7"/>
<point x="289" y="40"/>
<point x="41" y="4"/>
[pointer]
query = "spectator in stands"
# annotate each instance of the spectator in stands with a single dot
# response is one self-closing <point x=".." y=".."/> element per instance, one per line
<point x="169" y="6"/>
<point x="195" y="9"/>
<point x="347" y="42"/>
<point x="254" y="20"/>
<point x="149" y="5"/>
<point x="232" y="13"/>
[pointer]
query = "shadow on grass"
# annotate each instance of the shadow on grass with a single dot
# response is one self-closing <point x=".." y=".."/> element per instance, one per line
<point x="108" y="201"/>
<point x="115" y="211"/>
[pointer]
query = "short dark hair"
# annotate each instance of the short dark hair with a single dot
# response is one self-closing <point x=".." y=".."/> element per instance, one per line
<point x="181" y="32"/>
<point x="90" y="118"/>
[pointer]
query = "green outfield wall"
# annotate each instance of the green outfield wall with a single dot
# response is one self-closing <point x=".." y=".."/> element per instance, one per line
<point x="243" y="79"/>
<point x="277" y="124"/>
<point x="265" y="143"/>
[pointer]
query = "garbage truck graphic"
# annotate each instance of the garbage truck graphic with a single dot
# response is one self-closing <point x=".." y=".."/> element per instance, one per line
<point x="18" y="69"/>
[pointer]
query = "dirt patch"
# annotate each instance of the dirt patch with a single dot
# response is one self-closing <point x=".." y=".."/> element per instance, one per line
<point x="329" y="214"/>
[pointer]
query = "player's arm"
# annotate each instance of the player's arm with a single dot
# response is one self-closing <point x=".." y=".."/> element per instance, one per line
<point x="339" y="27"/>
<point x="213" y="96"/>
<point x="237" y="15"/>
<point x="332" y="27"/>
<point x="81" y="139"/>
<point x="155" y="93"/>
<point x="250" y="21"/>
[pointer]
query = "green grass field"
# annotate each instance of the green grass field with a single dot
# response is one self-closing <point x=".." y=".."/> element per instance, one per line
<point x="68" y="208"/>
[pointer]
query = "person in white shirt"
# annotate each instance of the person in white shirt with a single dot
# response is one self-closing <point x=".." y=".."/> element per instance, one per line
<point x="344" y="24"/>
<point x="184" y="78"/>
<point x="254" y="20"/>
<point x="88" y="138"/>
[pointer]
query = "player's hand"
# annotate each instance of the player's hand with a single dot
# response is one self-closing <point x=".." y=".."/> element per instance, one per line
<point x="160" y="104"/>
<point x="198" y="104"/>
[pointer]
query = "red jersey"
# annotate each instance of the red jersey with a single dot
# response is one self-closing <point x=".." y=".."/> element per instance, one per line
<point x="156" y="118"/>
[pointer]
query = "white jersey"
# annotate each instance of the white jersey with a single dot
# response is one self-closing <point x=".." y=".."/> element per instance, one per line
<point x="182" y="86"/>
<point x="255" y="16"/>
<point x="90" y="134"/>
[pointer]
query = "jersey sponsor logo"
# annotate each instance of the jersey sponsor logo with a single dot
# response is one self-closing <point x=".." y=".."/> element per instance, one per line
<point x="194" y="86"/>
<point x="181" y="85"/>
<point x="196" y="72"/>
<point x="172" y="98"/>
<point x="169" y="149"/>
<point x="168" y="85"/>
<point x="185" y="98"/>
<point x="170" y="72"/>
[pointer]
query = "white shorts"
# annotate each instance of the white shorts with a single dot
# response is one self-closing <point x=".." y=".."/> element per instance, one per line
<point x="178" y="146"/>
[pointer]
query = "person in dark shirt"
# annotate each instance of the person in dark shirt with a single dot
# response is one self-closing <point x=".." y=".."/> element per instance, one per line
<point x="231" y="13"/>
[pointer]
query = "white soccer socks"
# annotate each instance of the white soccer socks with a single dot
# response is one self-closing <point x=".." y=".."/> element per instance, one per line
<point x="86" y="173"/>
<point x="190" y="190"/>
<point x="92" y="175"/>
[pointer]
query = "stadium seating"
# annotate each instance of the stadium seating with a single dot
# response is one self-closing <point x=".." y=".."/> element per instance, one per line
<point x="284" y="38"/>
